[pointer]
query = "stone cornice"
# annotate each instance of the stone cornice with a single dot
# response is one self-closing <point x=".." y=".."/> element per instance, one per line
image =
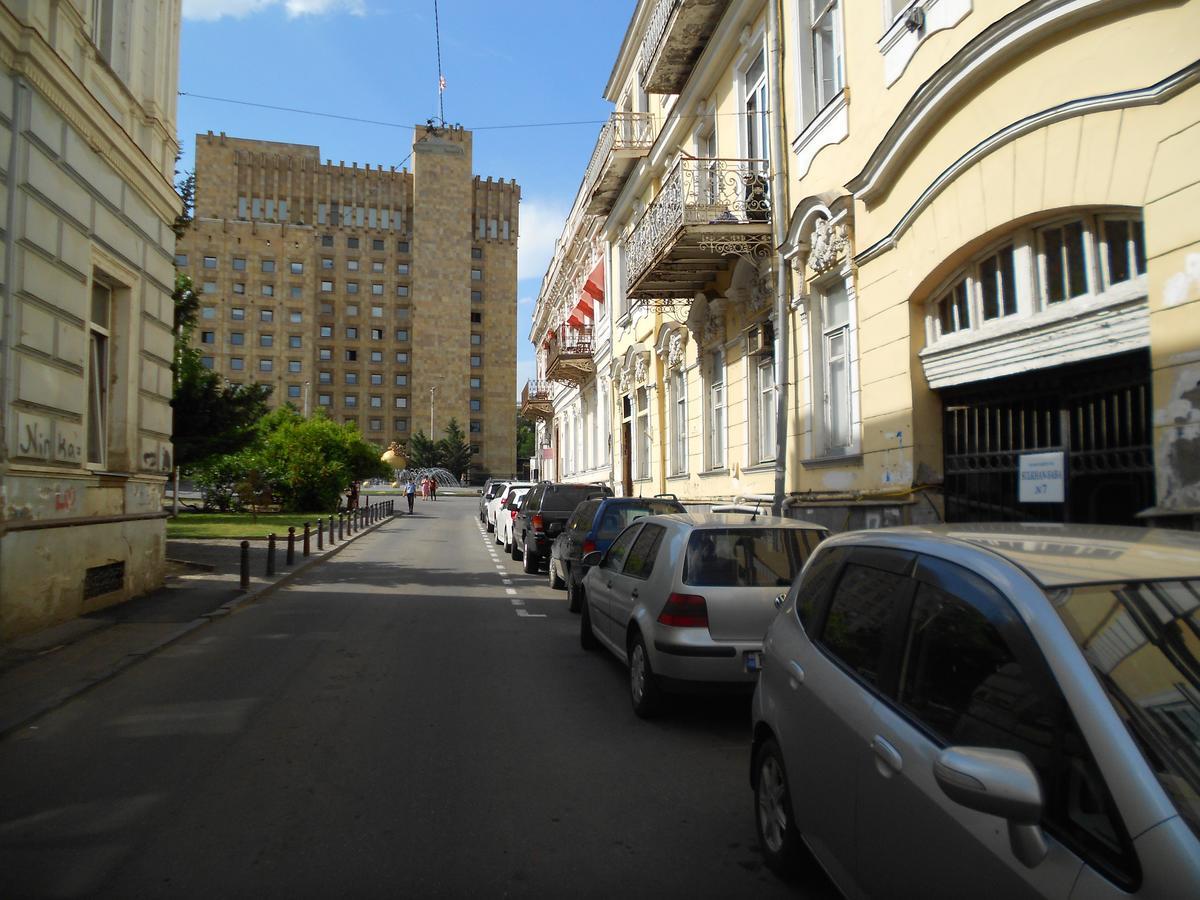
<point x="1030" y="23"/>
<point x="26" y="54"/>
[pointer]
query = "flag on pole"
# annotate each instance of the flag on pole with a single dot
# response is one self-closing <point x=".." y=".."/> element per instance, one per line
<point x="441" y="83"/>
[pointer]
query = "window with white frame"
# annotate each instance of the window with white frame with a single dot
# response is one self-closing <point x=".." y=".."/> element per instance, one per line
<point x="892" y="10"/>
<point x="826" y="26"/>
<point x="99" y="334"/>
<point x="764" y="394"/>
<point x="716" y="410"/>
<point x="679" y="422"/>
<point x="1082" y="257"/>
<point x="643" y="433"/>
<point x="756" y="132"/>
<point x="835" y="366"/>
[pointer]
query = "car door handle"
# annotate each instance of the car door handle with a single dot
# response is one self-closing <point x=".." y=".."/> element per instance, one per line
<point x="797" y="672"/>
<point x="887" y="758"/>
<point x="633" y="593"/>
<point x="608" y="583"/>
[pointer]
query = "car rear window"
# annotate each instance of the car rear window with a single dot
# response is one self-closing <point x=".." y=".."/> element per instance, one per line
<point x="559" y="499"/>
<point x="745" y="557"/>
<point x="618" y="516"/>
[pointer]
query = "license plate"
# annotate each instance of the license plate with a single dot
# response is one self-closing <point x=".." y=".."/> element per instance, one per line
<point x="752" y="660"/>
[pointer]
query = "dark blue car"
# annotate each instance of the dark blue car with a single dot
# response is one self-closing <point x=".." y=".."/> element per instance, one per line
<point x="593" y="526"/>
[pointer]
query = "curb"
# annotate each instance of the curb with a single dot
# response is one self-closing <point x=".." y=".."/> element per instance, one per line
<point x="228" y="608"/>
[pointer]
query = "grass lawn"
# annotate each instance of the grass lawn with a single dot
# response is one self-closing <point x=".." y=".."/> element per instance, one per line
<point x="239" y="525"/>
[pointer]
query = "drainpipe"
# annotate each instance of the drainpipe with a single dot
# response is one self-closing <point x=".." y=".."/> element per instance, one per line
<point x="779" y="208"/>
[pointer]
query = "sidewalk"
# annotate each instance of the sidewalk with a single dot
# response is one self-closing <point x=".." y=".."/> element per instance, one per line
<point x="41" y="671"/>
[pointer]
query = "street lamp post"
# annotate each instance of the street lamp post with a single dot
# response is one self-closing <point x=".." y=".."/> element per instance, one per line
<point x="432" y="390"/>
<point x="306" y="399"/>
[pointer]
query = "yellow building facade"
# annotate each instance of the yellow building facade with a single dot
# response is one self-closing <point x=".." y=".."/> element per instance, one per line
<point x="979" y="229"/>
<point x="385" y="298"/>
<point x="87" y="121"/>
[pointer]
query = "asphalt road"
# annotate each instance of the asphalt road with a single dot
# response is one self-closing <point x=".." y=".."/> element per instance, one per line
<point x="413" y="718"/>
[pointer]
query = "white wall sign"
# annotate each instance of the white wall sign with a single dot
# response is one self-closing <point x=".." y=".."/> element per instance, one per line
<point x="1042" y="477"/>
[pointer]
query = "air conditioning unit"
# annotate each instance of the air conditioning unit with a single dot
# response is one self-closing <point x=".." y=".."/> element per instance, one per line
<point x="760" y="340"/>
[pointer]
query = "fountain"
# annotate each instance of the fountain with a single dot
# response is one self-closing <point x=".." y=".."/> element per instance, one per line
<point x="438" y="474"/>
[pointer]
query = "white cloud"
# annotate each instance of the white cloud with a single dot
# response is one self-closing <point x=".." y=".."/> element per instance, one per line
<point x="525" y="301"/>
<point x="212" y="10"/>
<point x="541" y="224"/>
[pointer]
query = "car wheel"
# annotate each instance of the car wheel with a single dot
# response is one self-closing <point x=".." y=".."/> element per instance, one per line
<point x="644" y="690"/>
<point x="574" y="594"/>
<point x="587" y="638"/>
<point x="491" y="527"/>
<point x="777" y="834"/>
<point x="529" y="562"/>
<point x="515" y="552"/>
<point x="497" y="538"/>
<point x="556" y="583"/>
<point x="507" y="544"/>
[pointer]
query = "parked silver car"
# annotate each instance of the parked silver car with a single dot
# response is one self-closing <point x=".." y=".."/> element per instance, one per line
<point x="688" y="597"/>
<point x="987" y="711"/>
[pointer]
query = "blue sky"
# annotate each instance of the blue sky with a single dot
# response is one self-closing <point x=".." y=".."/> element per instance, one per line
<point x="527" y="62"/>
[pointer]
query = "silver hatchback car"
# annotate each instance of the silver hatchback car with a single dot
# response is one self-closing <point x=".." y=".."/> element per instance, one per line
<point x="688" y="597"/>
<point x="987" y="711"/>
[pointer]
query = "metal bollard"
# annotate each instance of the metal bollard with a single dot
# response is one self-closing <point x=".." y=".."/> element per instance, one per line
<point x="291" y="553"/>
<point x="245" y="565"/>
<point x="331" y="530"/>
<point x="270" y="554"/>
<point x="320" y="534"/>
<point x="341" y="528"/>
<point x="307" y="536"/>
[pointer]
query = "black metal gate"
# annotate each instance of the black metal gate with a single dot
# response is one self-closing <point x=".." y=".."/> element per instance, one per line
<point x="1097" y="413"/>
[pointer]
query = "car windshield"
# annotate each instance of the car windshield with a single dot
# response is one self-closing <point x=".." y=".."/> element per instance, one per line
<point x="745" y="557"/>
<point x="617" y="516"/>
<point x="1141" y="640"/>
<point x="559" y="499"/>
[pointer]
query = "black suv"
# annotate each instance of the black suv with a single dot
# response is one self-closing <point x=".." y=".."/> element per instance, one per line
<point x="542" y="516"/>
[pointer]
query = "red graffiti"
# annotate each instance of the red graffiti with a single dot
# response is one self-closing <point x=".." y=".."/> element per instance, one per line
<point x="64" y="499"/>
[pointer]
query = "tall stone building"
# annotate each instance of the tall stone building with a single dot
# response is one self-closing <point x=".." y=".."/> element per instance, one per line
<point x="87" y="153"/>
<point x="386" y="298"/>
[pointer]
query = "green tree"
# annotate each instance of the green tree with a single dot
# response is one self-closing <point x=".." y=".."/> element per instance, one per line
<point x="526" y="438"/>
<point x="311" y="462"/>
<point x="423" y="451"/>
<point x="455" y="451"/>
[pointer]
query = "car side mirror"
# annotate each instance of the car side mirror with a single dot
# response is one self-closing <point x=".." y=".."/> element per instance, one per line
<point x="592" y="559"/>
<point x="1000" y="783"/>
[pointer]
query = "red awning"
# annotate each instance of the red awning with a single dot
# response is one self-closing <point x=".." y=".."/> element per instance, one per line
<point x="584" y="306"/>
<point x="575" y="319"/>
<point x="594" y="286"/>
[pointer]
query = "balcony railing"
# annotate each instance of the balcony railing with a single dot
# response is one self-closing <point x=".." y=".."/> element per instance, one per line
<point x="698" y="192"/>
<point x="623" y="138"/>
<point x="535" y="400"/>
<point x="675" y="36"/>
<point x="569" y="355"/>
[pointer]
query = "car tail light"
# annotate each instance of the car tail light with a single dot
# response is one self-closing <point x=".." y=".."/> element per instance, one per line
<point x="589" y="546"/>
<point x="685" y="611"/>
<point x="504" y="503"/>
<point x="537" y="522"/>
<point x="513" y="513"/>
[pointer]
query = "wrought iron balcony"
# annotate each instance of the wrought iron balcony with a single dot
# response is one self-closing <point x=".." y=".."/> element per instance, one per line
<point x="707" y="210"/>
<point x="569" y="355"/>
<point x="625" y="138"/>
<point x="535" y="400"/>
<point x="675" y="37"/>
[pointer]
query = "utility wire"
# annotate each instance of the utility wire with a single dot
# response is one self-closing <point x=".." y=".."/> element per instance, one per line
<point x="506" y="126"/>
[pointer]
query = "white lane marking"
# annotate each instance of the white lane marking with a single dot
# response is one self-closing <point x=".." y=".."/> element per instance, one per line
<point x="506" y="582"/>
<point x="516" y="601"/>
<point x="512" y="592"/>
<point x="526" y="614"/>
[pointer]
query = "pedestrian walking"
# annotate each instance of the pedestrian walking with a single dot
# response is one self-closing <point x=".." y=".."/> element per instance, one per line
<point x="410" y="493"/>
<point x="432" y="488"/>
<point x="425" y="488"/>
